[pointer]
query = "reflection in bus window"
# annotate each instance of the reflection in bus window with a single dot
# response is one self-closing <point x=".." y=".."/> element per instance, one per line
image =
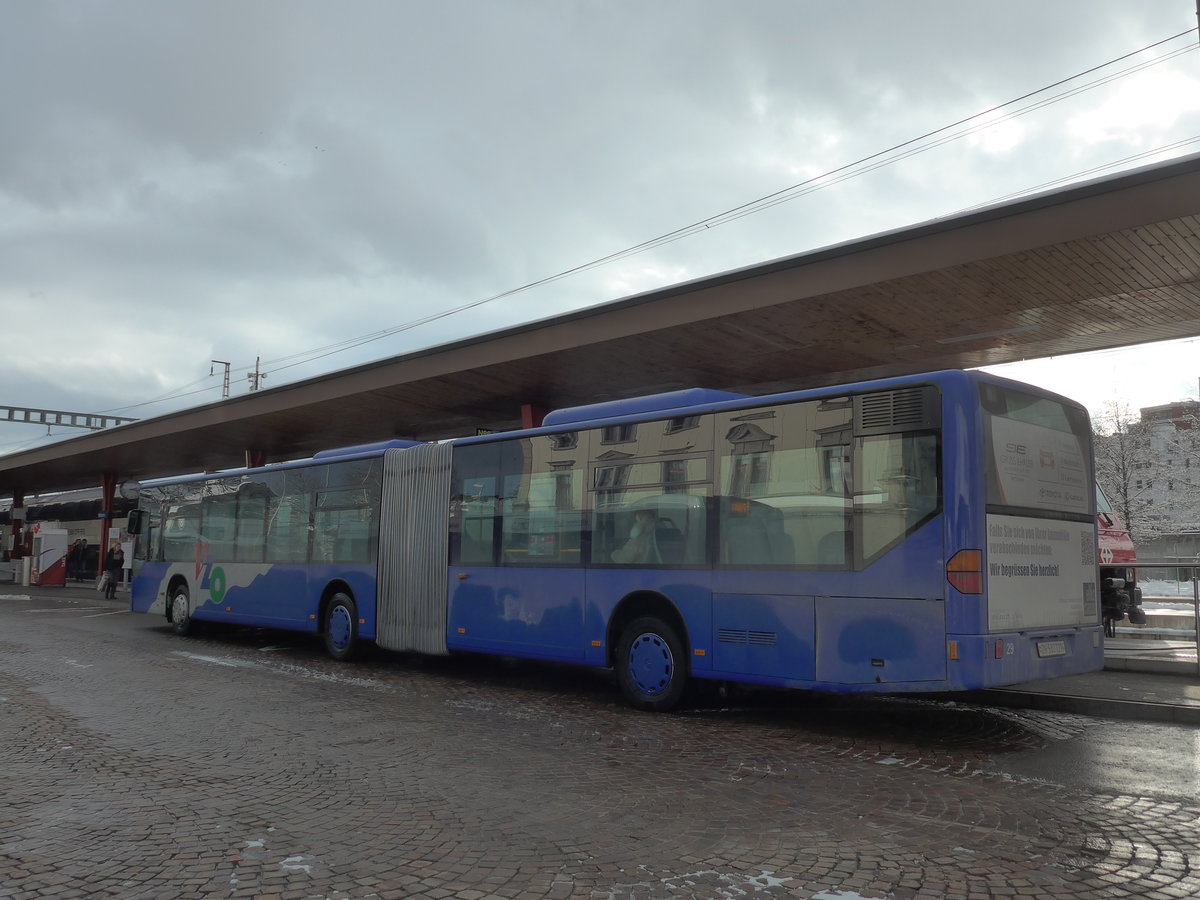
<point x="543" y="521"/>
<point x="288" y="523"/>
<point x="181" y="530"/>
<point x="896" y="480"/>
<point x="784" y="491"/>
<point x="343" y="525"/>
<point x="477" y="511"/>
<point x="250" y="543"/>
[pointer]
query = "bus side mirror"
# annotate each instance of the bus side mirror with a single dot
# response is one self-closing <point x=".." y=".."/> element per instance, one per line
<point x="137" y="521"/>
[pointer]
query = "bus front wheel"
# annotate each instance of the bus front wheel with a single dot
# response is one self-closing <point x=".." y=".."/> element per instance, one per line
<point x="181" y="611"/>
<point x="341" y="627"/>
<point x="651" y="665"/>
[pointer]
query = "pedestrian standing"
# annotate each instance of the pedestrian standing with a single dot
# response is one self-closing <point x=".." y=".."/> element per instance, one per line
<point x="77" y="560"/>
<point x="114" y="562"/>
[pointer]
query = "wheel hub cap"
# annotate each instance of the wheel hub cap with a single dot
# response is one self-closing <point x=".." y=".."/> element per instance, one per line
<point x="650" y="663"/>
<point x="339" y="626"/>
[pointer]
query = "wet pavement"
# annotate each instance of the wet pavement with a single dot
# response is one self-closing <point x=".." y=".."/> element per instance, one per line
<point x="1148" y="680"/>
<point x="141" y="765"/>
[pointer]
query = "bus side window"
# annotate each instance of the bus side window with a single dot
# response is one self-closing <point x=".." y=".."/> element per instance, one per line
<point x="218" y="521"/>
<point x="288" y="530"/>
<point x="474" y="505"/>
<point x="784" y="485"/>
<point x="148" y="538"/>
<point x="181" y="531"/>
<point x="250" y="542"/>
<point x="896" y="487"/>
<point x="541" y="503"/>
<point x="342" y="526"/>
<point x="754" y="534"/>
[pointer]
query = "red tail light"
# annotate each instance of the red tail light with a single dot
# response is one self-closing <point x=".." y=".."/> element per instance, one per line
<point x="964" y="571"/>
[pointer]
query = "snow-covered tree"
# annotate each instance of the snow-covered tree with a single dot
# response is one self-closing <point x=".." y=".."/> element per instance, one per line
<point x="1125" y="470"/>
<point x="1149" y="466"/>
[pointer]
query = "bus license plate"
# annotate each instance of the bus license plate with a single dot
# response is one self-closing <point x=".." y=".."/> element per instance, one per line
<point x="1052" y="648"/>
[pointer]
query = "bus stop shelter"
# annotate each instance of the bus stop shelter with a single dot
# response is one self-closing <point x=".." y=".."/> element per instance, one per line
<point x="1107" y="263"/>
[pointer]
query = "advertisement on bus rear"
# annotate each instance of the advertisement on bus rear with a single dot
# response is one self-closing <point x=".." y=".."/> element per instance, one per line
<point x="1040" y="573"/>
<point x="1040" y="468"/>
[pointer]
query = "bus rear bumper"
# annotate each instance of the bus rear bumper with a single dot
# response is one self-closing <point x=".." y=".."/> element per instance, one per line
<point x="996" y="660"/>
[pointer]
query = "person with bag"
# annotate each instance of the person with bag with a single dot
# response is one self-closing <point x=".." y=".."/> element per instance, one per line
<point x="114" y="562"/>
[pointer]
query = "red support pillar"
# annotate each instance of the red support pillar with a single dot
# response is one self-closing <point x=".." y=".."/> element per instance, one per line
<point x="256" y="459"/>
<point x="532" y="415"/>
<point x="18" y="524"/>
<point x="107" y="490"/>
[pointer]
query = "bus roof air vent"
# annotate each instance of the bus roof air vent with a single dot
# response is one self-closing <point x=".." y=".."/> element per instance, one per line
<point x="635" y="406"/>
<point x="906" y="409"/>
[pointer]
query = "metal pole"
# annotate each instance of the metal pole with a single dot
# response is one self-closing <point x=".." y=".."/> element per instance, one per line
<point x="220" y="362"/>
<point x="1196" y="609"/>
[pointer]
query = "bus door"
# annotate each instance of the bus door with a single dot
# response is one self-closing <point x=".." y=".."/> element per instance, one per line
<point x="883" y="621"/>
<point x="516" y="583"/>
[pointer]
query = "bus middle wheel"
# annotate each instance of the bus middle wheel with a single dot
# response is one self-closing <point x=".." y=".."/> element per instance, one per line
<point x="341" y="627"/>
<point x="651" y="664"/>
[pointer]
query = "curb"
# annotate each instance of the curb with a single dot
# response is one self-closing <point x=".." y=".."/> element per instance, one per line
<point x="1177" y="667"/>
<point x="1090" y="706"/>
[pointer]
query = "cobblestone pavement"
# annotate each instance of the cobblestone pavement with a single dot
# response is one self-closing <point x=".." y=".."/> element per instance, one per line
<point x="136" y="764"/>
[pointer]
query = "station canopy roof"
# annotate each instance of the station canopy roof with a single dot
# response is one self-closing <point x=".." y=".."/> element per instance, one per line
<point x="1102" y="264"/>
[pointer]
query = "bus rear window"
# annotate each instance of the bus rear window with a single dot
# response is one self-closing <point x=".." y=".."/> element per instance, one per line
<point x="1037" y="452"/>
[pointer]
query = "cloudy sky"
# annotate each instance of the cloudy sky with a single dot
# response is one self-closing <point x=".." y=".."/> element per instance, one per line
<point x="314" y="184"/>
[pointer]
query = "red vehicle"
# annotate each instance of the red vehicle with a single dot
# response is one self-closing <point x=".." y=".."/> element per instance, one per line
<point x="1120" y="595"/>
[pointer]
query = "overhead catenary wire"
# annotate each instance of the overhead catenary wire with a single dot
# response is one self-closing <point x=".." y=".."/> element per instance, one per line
<point x="922" y="143"/>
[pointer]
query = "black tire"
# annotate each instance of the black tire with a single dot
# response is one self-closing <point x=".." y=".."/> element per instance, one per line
<point x="652" y="665"/>
<point x="341" y="627"/>
<point x="180" y="611"/>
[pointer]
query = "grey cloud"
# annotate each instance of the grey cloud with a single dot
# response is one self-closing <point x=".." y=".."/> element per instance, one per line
<point x="350" y="167"/>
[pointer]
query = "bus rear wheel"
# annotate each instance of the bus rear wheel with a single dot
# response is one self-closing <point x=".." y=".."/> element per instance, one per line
<point x="651" y="665"/>
<point x="181" y="611"/>
<point x="341" y="627"/>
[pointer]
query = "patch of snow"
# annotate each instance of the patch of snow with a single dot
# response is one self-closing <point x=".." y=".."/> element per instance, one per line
<point x="297" y="864"/>
<point x="215" y="660"/>
<point x="731" y="885"/>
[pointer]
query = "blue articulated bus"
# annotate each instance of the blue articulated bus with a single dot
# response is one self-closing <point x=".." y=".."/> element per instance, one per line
<point x="928" y="533"/>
